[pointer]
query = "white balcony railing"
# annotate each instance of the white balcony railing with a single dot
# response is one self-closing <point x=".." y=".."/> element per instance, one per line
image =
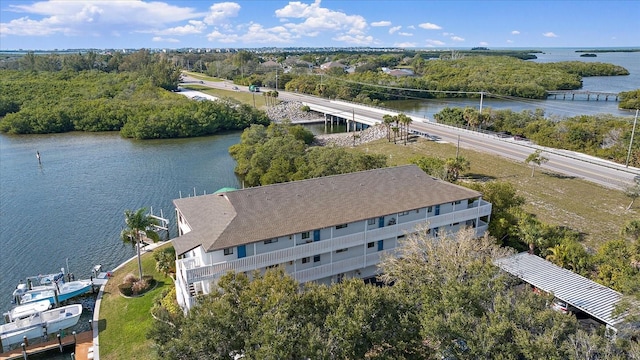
<point x="193" y="273"/>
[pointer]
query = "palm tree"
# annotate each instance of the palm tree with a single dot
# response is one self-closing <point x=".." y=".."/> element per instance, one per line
<point x="395" y="133"/>
<point x="388" y="120"/>
<point x="558" y="255"/>
<point x="454" y="166"/>
<point x="405" y="120"/>
<point x="139" y="224"/>
<point x="537" y="159"/>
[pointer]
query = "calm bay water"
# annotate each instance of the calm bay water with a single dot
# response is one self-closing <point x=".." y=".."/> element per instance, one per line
<point x="557" y="108"/>
<point x="72" y="206"/>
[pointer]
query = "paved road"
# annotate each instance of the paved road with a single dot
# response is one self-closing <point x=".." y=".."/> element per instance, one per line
<point x="567" y="163"/>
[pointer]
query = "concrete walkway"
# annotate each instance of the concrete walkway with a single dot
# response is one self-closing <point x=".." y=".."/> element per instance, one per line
<point x="96" y="310"/>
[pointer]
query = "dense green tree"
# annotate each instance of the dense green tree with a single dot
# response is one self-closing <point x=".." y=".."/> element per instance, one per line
<point x="431" y="165"/>
<point x="630" y="99"/>
<point x="468" y="307"/>
<point x="505" y="210"/>
<point x="166" y="261"/>
<point x="268" y="317"/>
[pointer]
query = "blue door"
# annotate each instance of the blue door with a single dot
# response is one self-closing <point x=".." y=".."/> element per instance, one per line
<point x="380" y="245"/>
<point x="316" y="235"/>
<point x="381" y="222"/>
<point x="242" y="251"/>
<point x="437" y="210"/>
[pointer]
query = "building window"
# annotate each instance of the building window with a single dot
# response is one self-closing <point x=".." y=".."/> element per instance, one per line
<point x="305" y="260"/>
<point x="371" y="222"/>
<point x="270" y="241"/>
<point x="456" y="202"/>
<point x="228" y="251"/>
<point x="417" y="211"/>
<point x="341" y="250"/>
<point x="305" y="235"/>
<point x="404" y="213"/>
<point x="341" y="226"/>
<point x="430" y="209"/>
<point x="370" y="245"/>
<point x="316" y="258"/>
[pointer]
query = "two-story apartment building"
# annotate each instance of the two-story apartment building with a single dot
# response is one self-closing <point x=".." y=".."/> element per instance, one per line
<point x="322" y="229"/>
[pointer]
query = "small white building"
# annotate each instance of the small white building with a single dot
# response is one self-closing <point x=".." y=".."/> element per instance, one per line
<point x="323" y="230"/>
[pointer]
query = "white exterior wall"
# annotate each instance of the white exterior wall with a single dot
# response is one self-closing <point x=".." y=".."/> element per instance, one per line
<point x="203" y="269"/>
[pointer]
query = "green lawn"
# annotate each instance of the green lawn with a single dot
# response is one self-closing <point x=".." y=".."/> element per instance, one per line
<point x="124" y="322"/>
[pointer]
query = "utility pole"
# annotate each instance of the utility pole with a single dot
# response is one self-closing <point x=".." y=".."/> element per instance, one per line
<point x="481" y="96"/>
<point x="276" y="79"/>
<point x="635" y="121"/>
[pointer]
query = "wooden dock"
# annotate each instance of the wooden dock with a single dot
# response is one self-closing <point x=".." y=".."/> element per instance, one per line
<point x="83" y="342"/>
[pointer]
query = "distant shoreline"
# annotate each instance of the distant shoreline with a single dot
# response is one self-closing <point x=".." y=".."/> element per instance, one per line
<point x="607" y="50"/>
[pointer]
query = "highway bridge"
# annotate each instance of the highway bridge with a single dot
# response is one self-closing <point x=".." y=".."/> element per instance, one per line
<point x="569" y="163"/>
<point x="583" y="95"/>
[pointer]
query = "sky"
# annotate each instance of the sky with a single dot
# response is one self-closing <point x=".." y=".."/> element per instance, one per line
<point x="175" y="24"/>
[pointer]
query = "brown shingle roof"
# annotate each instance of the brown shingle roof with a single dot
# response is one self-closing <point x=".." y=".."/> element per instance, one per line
<point x="241" y="217"/>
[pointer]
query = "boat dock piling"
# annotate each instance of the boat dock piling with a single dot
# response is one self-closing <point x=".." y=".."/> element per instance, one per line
<point x="81" y="344"/>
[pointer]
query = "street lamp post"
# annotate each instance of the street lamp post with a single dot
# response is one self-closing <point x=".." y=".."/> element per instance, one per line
<point x="633" y="131"/>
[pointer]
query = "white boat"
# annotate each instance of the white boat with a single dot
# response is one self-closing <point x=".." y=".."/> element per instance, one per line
<point x="57" y="293"/>
<point x="26" y="310"/>
<point x="40" y="324"/>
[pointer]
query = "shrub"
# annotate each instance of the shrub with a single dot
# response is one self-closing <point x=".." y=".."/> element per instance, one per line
<point x="139" y="286"/>
<point x="129" y="279"/>
<point x="305" y="108"/>
<point x="126" y="289"/>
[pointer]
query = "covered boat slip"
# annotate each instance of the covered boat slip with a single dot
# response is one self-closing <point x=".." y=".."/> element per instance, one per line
<point x="588" y="296"/>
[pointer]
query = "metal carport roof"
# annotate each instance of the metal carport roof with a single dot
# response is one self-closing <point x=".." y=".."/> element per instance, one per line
<point x="592" y="298"/>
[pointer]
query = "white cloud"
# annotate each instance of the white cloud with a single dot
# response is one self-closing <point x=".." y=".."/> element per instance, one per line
<point x="457" y="38"/>
<point x="509" y="41"/>
<point x="219" y="13"/>
<point x="394" y="29"/>
<point x="434" y="42"/>
<point x="515" y="32"/>
<point x="405" y="34"/>
<point x="355" y="39"/>
<point x="381" y="23"/>
<point x="411" y="27"/>
<point x="484" y="43"/>
<point x="97" y="18"/>
<point x="194" y="27"/>
<point x="223" y="38"/>
<point x="405" y="45"/>
<point x="161" y="39"/>
<point x="550" y="35"/>
<point x="447" y="34"/>
<point x="316" y="19"/>
<point x="256" y="33"/>
<point x="430" y="26"/>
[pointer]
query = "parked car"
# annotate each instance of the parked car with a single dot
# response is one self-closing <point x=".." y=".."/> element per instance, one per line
<point x="563" y="307"/>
